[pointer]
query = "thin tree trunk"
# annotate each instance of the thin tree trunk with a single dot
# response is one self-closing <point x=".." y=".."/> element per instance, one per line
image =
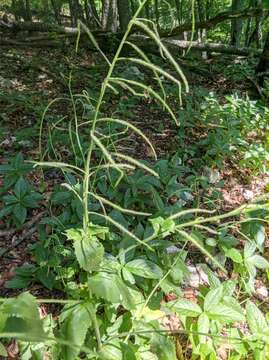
<point x="28" y="15"/>
<point x="133" y="7"/>
<point x="57" y="11"/>
<point x="236" y="24"/>
<point x="109" y="15"/>
<point x="178" y="10"/>
<point x="157" y="14"/>
<point x="262" y="69"/>
<point x="14" y="9"/>
<point x="124" y="13"/>
<point x="91" y="13"/>
<point x="202" y="17"/>
<point x="76" y="12"/>
<point x="146" y="9"/>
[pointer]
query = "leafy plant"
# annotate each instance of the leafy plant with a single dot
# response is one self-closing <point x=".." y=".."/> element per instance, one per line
<point x="16" y="204"/>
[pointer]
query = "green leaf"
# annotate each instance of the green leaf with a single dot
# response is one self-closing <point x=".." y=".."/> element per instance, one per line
<point x="260" y="237"/>
<point x="89" y="251"/>
<point x="10" y="199"/>
<point x="213" y="297"/>
<point x="235" y="255"/>
<point x="74" y="330"/>
<point x="184" y="307"/>
<point x="225" y="314"/>
<point x="144" y="268"/>
<point x="32" y="200"/>
<point x="203" y="326"/>
<point x="60" y="197"/>
<point x="249" y="249"/>
<point x="21" y="188"/>
<point x="89" y="254"/>
<point x="111" y="351"/>
<point x="20" y="213"/>
<point x="258" y="261"/>
<point x="255" y="319"/>
<point x="163" y="226"/>
<point x="18" y="282"/>
<point x="3" y="351"/>
<point x="110" y="287"/>
<point x="5" y="211"/>
<point x="163" y="346"/>
<point x="127" y="276"/>
<point x="23" y="317"/>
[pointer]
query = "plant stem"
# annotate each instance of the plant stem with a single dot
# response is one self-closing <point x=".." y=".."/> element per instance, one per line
<point x="97" y="110"/>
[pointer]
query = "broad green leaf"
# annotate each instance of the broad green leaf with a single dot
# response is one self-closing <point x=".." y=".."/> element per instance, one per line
<point x="89" y="254"/>
<point x="260" y="237"/>
<point x="10" y="199"/>
<point x="20" y="212"/>
<point x="23" y="317"/>
<point x="3" y="351"/>
<point x="213" y="297"/>
<point x="163" y="346"/>
<point x="225" y="314"/>
<point x="74" y="330"/>
<point x="32" y="200"/>
<point x="127" y="276"/>
<point x="229" y="287"/>
<point x="144" y="268"/>
<point x="5" y="211"/>
<point x="89" y="251"/>
<point x="184" y="307"/>
<point x="203" y="326"/>
<point x="60" y="197"/>
<point x="21" y="188"/>
<point x="149" y="314"/>
<point x="111" y="351"/>
<point x="255" y="319"/>
<point x="235" y="255"/>
<point x="163" y="226"/>
<point x="258" y="261"/>
<point x="213" y="280"/>
<point x="249" y="249"/>
<point x="104" y="286"/>
<point x="111" y="287"/>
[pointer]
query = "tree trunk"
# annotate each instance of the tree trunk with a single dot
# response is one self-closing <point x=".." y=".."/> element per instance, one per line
<point x="178" y="4"/>
<point x="202" y="33"/>
<point x="213" y="21"/>
<point x="57" y="11"/>
<point x="236" y="24"/>
<point x="157" y="14"/>
<point x="124" y="13"/>
<point x="76" y="12"/>
<point x="91" y="13"/>
<point x="14" y="9"/>
<point x="262" y="69"/>
<point x="28" y="15"/>
<point x="109" y="15"/>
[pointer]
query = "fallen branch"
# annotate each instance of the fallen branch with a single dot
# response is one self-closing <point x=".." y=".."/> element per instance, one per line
<point x="145" y="43"/>
<point x="29" y="227"/>
<point x="208" y="24"/>
<point x="18" y="26"/>
<point x="213" y="47"/>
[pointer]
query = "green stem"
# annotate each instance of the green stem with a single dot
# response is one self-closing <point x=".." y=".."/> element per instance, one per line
<point x="98" y="106"/>
<point x="48" y="301"/>
<point x="96" y="327"/>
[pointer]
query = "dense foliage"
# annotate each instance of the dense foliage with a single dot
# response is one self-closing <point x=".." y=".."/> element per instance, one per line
<point x="136" y="244"/>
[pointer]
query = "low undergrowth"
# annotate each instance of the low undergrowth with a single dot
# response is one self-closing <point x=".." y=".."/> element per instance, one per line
<point x="119" y="235"/>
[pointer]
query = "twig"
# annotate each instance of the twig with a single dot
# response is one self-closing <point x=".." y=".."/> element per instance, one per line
<point x="30" y="225"/>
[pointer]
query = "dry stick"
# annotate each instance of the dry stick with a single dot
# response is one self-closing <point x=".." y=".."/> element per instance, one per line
<point x="30" y="225"/>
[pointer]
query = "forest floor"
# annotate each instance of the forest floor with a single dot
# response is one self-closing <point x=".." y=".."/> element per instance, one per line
<point x="31" y="79"/>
